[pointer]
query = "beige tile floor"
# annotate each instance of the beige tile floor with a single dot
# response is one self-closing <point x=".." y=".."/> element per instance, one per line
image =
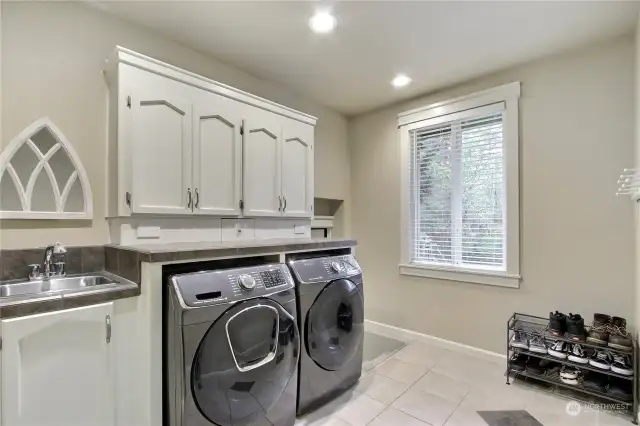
<point x="422" y="384"/>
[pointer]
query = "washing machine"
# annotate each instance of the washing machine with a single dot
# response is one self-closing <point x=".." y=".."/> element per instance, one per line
<point x="331" y="319"/>
<point x="232" y="345"/>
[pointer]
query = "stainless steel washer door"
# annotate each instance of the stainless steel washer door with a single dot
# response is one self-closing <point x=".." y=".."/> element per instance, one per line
<point x="244" y="362"/>
<point x="334" y="327"/>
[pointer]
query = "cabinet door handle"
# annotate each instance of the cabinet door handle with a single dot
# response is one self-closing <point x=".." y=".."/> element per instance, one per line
<point x="279" y="203"/>
<point x="285" y="203"/>
<point x="197" y="198"/>
<point x="107" y="322"/>
<point x="189" y="197"/>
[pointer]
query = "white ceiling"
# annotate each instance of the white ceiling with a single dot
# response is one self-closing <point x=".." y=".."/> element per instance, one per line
<point x="435" y="43"/>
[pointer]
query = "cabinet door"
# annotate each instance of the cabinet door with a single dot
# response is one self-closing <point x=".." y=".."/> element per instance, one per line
<point x="161" y="138"/>
<point x="261" y="168"/>
<point x="297" y="169"/>
<point x="217" y="156"/>
<point x="57" y="369"/>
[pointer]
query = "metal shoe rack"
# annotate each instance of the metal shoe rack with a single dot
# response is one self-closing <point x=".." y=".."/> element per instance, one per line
<point x="532" y="326"/>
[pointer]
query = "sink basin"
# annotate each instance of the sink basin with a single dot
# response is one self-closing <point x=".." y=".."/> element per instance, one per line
<point x="52" y="285"/>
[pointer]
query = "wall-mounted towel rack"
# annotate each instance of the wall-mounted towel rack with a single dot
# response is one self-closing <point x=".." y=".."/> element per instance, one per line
<point x="629" y="183"/>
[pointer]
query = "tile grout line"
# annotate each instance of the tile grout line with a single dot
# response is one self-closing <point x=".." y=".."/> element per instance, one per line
<point x="431" y="369"/>
<point x="373" y="372"/>
<point x="454" y="410"/>
<point x="420" y="378"/>
<point x="405" y="391"/>
<point x="406" y="344"/>
<point x="457" y="406"/>
<point x="467" y="395"/>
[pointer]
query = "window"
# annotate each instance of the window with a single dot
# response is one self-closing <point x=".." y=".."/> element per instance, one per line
<point x="460" y="203"/>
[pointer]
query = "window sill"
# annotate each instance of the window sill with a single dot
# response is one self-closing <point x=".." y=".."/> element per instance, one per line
<point x="500" y="279"/>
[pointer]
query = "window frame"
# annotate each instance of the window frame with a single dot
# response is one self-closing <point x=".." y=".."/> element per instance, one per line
<point x="508" y="96"/>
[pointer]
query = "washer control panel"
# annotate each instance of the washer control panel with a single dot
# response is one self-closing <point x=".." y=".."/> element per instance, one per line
<point x="325" y="268"/>
<point x="273" y="278"/>
<point x="231" y="285"/>
<point x="336" y="266"/>
<point x="246" y="282"/>
<point x="341" y="265"/>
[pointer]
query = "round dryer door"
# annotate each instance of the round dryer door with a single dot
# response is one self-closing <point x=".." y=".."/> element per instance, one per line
<point x="244" y="362"/>
<point x="334" y="325"/>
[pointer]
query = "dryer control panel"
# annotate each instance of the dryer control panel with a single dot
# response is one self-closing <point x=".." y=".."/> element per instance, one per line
<point x="231" y="285"/>
<point x="325" y="268"/>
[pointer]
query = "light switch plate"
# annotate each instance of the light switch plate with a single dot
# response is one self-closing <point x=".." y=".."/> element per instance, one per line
<point x="300" y="229"/>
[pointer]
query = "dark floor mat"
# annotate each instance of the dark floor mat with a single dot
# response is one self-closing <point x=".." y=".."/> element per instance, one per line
<point x="378" y="348"/>
<point x="509" y="418"/>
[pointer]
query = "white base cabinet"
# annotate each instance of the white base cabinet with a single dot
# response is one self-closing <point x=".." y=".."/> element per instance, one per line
<point x="58" y="368"/>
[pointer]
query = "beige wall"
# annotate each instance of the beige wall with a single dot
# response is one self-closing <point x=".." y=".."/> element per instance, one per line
<point x="577" y="238"/>
<point x="53" y="56"/>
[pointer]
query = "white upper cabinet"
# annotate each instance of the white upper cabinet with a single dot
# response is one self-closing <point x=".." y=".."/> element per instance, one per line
<point x="297" y="169"/>
<point x="58" y="369"/>
<point x="261" y="167"/>
<point x="161" y="156"/>
<point x="181" y="144"/>
<point x="217" y="156"/>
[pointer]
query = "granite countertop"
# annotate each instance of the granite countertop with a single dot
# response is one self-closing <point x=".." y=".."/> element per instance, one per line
<point x="172" y="252"/>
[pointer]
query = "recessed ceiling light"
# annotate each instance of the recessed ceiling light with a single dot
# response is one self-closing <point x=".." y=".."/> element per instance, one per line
<point x="322" y="22"/>
<point x="400" y="80"/>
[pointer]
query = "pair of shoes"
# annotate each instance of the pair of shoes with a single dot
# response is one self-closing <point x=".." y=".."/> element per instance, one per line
<point x="595" y="381"/>
<point x="519" y="340"/>
<point x="577" y="354"/>
<point x="535" y="344"/>
<point x="599" y="330"/>
<point x="610" y="331"/>
<point x="622" y="364"/>
<point x="558" y="349"/>
<point x="572" y="326"/>
<point x="574" y="352"/>
<point x="601" y="359"/>
<point x="518" y="361"/>
<point x="618" y="363"/>
<point x="551" y="368"/>
<point x="618" y="388"/>
<point x="619" y="338"/>
<point x="533" y="365"/>
<point x="538" y="344"/>
<point x="570" y="375"/>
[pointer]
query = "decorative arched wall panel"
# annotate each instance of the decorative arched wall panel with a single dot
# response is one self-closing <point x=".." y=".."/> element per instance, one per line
<point x="42" y="177"/>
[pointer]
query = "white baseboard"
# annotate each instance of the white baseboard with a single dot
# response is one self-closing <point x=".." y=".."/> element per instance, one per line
<point x="414" y="336"/>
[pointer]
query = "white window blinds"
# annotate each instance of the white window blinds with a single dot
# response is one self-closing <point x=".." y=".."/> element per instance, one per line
<point x="457" y="190"/>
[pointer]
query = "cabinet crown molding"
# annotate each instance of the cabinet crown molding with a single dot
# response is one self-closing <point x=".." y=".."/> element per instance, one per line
<point x="138" y="60"/>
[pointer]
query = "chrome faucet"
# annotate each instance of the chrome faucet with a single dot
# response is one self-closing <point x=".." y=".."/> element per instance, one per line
<point x="48" y="265"/>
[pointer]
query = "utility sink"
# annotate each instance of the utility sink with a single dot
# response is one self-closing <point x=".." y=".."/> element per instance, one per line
<point x="54" y="285"/>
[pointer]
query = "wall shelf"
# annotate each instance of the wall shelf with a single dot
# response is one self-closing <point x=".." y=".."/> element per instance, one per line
<point x="324" y="210"/>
